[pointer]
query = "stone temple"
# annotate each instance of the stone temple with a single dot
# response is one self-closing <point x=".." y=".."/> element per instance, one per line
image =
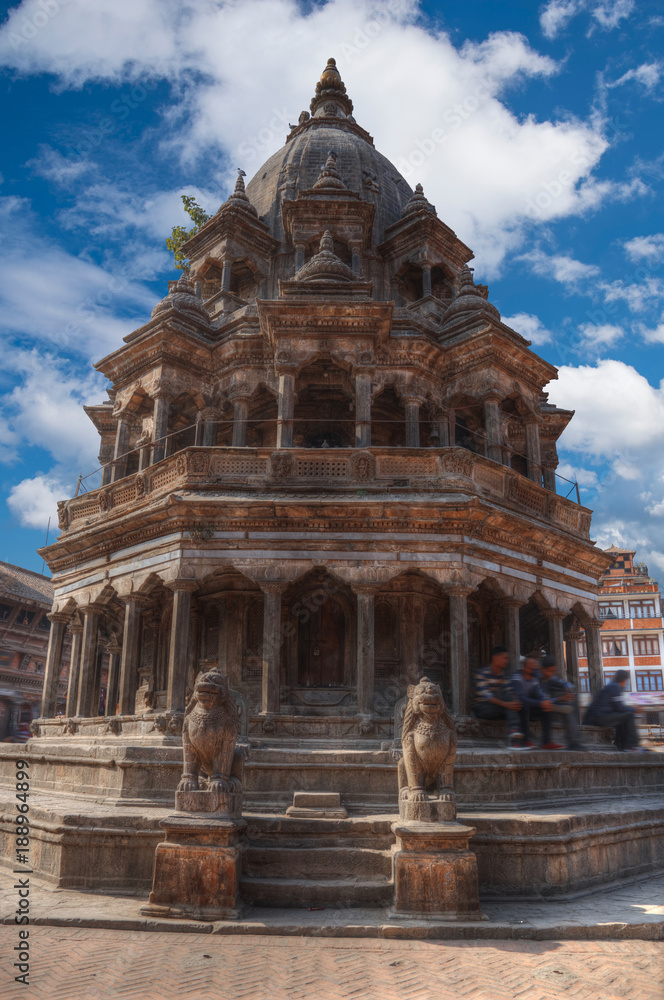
<point x="328" y="468"/>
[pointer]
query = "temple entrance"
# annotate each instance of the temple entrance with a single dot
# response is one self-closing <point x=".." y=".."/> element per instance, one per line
<point x="320" y="647"/>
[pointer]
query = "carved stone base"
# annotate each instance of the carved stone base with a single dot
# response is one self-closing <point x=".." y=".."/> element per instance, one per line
<point x="438" y="810"/>
<point x="435" y="873"/>
<point x="197" y="869"/>
<point x="204" y="800"/>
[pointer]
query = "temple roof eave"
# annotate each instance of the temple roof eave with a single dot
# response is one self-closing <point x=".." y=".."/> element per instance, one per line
<point x="157" y="340"/>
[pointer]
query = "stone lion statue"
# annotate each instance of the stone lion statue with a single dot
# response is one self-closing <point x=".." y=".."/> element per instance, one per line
<point x="209" y="731"/>
<point x="428" y="738"/>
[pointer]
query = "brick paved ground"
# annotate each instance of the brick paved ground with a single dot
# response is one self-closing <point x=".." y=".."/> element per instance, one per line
<point x="87" y="964"/>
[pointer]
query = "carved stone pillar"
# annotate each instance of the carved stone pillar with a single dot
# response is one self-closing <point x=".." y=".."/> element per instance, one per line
<point x="240" y="417"/>
<point x="426" y="280"/>
<point x="286" y="408"/>
<point x="299" y="256"/>
<point x="178" y="653"/>
<point x="114" y="660"/>
<point x="130" y="654"/>
<point x="451" y="424"/>
<point x="363" y="411"/>
<point x="76" y="631"/>
<point x="494" y="436"/>
<point x="549" y="478"/>
<point x="534" y="461"/>
<point x="556" y="641"/>
<point x="210" y="418"/>
<point x="443" y="430"/>
<point x="356" y="259"/>
<point x="53" y="664"/>
<point x="365" y="648"/>
<point x="459" y="649"/>
<point x="159" y="427"/>
<point x="226" y="271"/>
<point x="88" y="680"/>
<point x="272" y="592"/>
<point x="572" y="638"/>
<point x="121" y="449"/>
<point x="198" y="433"/>
<point x="594" y="646"/>
<point x="412" y="408"/>
<point x="512" y="606"/>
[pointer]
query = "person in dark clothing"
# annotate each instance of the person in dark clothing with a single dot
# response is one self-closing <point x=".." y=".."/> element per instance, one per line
<point x="561" y="693"/>
<point x="608" y="708"/>
<point x="534" y="704"/>
<point x="494" y="698"/>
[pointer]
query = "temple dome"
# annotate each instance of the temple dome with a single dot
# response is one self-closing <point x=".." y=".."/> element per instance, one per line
<point x="297" y="166"/>
<point x="182" y="297"/>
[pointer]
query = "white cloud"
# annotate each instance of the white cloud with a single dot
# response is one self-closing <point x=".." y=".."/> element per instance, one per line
<point x="638" y="296"/>
<point x="240" y="71"/>
<point x="600" y="335"/>
<point x="33" y="501"/>
<point x="609" y="14"/>
<point x="557" y="14"/>
<point x="655" y="336"/>
<point x="559" y="267"/>
<point x="529" y="326"/>
<point x="648" y="75"/>
<point x="576" y="473"/>
<point x="649" y="248"/>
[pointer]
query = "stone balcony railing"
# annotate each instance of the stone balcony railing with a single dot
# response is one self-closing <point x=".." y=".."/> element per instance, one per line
<point x="342" y="469"/>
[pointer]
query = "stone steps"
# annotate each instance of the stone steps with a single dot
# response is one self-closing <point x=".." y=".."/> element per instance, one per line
<point x="318" y="863"/>
<point x="331" y="893"/>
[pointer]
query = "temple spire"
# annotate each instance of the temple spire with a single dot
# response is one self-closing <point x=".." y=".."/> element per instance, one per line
<point x="329" y="176"/>
<point x="331" y="97"/>
<point x="239" y="197"/>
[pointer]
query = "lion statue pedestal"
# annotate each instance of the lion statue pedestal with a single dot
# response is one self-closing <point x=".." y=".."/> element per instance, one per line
<point x="435" y="872"/>
<point x="197" y="868"/>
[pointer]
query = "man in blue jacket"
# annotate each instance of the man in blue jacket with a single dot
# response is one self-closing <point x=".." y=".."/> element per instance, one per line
<point x="534" y="703"/>
<point x="609" y="708"/>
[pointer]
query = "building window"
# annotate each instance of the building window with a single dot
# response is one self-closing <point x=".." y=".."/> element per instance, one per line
<point x="615" y="645"/>
<point x="24" y="618"/>
<point x="5" y="611"/>
<point x="584" y="682"/>
<point x="646" y="645"/>
<point x="642" y="609"/>
<point x="39" y="666"/>
<point x="44" y="624"/>
<point x="610" y="674"/>
<point x="611" y="609"/>
<point x="582" y="649"/>
<point x="649" y="680"/>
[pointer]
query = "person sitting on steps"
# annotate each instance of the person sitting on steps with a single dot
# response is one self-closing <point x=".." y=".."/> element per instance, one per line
<point x="610" y="708"/>
<point x="534" y="704"/>
<point x="562" y="694"/>
<point x="494" y="698"/>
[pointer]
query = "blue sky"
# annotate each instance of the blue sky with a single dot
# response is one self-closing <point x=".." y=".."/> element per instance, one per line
<point x="536" y="131"/>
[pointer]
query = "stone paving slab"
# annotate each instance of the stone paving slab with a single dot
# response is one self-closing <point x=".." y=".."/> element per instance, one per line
<point x="89" y="964"/>
<point x="633" y="911"/>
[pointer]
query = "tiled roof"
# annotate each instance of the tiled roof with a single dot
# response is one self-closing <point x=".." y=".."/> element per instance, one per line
<point x="23" y="584"/>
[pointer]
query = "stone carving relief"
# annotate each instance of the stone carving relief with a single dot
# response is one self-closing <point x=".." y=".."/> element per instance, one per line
<point x="63" y="515"/>
<point x="281" y="466"/>
<point x="209" y="733"/>
<point x="103" y="502"/>
<point x="459" y="464"/>
<point x="362" y="466"/>
<point x="428" y="738"/>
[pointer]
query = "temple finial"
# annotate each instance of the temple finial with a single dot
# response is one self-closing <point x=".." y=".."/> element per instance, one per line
<point x="418" y="202"/>
<point x="331" y="97"/>
<point x="239" y="197"/>
<point x="329" y="177"/>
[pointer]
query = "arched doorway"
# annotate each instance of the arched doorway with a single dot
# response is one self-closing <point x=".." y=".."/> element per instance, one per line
<point x="320" y="647"/>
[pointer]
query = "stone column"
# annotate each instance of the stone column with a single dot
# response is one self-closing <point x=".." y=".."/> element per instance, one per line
<point x="363" y="411"/>
<point x="549" y="478"/>
<point x="365" y="648"/>
<point x="286" y="408"/>
<point x="53" y="664"/>
<point x="299" y="256"/>
<point x="226" y="270"/>
<point x="114" y="659"/>
<point x="356" y="259"/>
<point x="459" y="649"/>
<point x="87" y="680"/>
<point x="210" y="418"/>
<point x="271" y="646"/>
<point x="556" y="641"/>
<point x="426" y="280"/>
<point x="121" y="448"/>
<point x="240" y="416"/>
<point x="159" y="427"/>
<point x="572" y="637"/>
<point x="178" y="653"/>
<point x="195" y="651"/>
<point x="534" y="461"/>
<point x="76" y="631"/>
<point x="594" y="645"/>
<point x="443" y="430"/>
<point x="513" y="630"/>
<point x="451" y="423"/>
<point x="198" y="433"/>
<point x="130" y="653"/>
<point x="494" y="438"/>
<point x="412" y="408"/>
